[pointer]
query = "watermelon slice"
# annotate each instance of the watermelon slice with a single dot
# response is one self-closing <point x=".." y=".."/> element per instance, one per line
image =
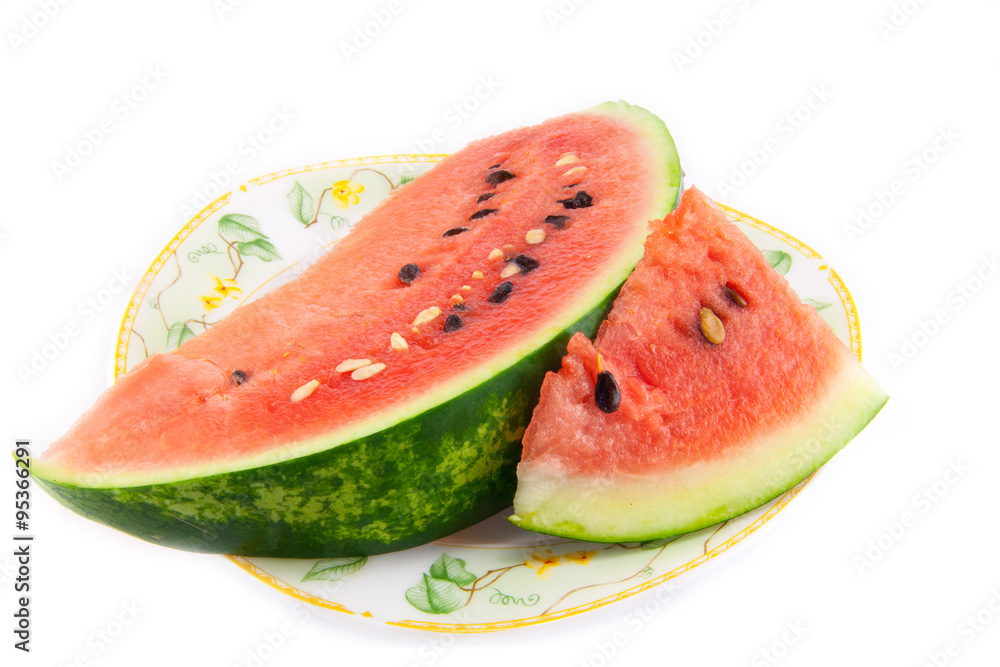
<point x="378" y="401"/>
<point x="711" y="389"/>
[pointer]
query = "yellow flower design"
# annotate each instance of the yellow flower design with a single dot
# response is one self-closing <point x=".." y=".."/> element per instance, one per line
<point x="227" y="287"/>
<point x="210" y="302"/>
<point x="346" y="193"/>
<point x="543" y="561"/>
<point x="580" y="557"/>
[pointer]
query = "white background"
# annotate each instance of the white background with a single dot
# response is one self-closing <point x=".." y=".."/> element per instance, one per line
<point x="881" y="94"/>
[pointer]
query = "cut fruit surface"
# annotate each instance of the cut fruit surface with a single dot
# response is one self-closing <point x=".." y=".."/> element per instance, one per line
<point x="378" y="400"/>
<point x="732" y="390"/>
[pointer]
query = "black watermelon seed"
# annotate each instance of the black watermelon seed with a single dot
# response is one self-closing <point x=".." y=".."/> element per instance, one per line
<point x="455" y="231"/>
<point x="581" y="200"/>
<point x="452" y="323"/>
<point x="498" y="177"/>
<point x="735" y="296"/>
<point x="458" y="306"/>
<point x="494" y="166"/>
<point x="607" y="396"/>
<point x="484" y="197"/>
<point x="482" y="213"/>
<point x="409" y="273"/>
<point x="557" y="221"/>
<point x="238" y="377"/>
<point x="501" y="292"/>
<point x="526" y="263"/>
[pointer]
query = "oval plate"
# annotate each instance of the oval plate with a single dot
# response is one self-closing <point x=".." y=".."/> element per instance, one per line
<point x="492" y="576"/>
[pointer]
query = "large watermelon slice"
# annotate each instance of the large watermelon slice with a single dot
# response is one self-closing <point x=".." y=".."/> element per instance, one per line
<point x="711" y="389"/>
<point x="378" y="401"/>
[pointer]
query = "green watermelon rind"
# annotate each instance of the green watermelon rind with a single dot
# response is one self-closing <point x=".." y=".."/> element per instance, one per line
<point x="439" y="463"/>
<point x="637" y="508"/>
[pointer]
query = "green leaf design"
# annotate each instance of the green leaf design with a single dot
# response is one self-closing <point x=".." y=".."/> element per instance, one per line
<point x="240" y="227"/>
<point x="177" y="334"/>
<point x="779" y="260"/>
<point x="451" y="569"/>
<point x="301" y="204"/>
<point x="434" y="596"/>
<point x="818" y="305"/>
<point x="657" y="544"/>
<point x="332" y="569"/>
<point x="406" y="177"/>
<point x="259" y="248"/>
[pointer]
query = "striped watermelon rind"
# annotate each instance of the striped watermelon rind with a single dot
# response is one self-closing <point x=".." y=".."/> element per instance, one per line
<point x="424" y="478"/>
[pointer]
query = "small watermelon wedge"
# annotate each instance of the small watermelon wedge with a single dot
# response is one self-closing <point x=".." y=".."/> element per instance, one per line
<point x="710" y="389"/>
<point x="378" y="401"/>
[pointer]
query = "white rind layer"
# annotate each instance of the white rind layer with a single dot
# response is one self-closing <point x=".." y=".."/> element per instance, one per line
<point x="620" y="507"/>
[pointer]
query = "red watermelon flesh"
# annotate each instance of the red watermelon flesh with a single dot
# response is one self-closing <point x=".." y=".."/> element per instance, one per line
<point x="704" y="431"/>
<point x="179" y="414"/>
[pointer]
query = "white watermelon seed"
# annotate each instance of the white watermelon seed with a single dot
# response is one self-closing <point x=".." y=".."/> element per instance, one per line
<point x="351" y="364"/>
<point x="304" y="391"/>
<point x="367" y="371"/>
<point x="496" y="253"/>
<point x="398" y="343"/>
<point x="566" y="158"/>
<point x="426" y="315"/>
<point x="535" y="236"/>
<point x="510" y="270"/>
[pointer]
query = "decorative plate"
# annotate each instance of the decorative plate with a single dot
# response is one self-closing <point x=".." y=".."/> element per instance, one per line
<point x="492" y="576"/>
